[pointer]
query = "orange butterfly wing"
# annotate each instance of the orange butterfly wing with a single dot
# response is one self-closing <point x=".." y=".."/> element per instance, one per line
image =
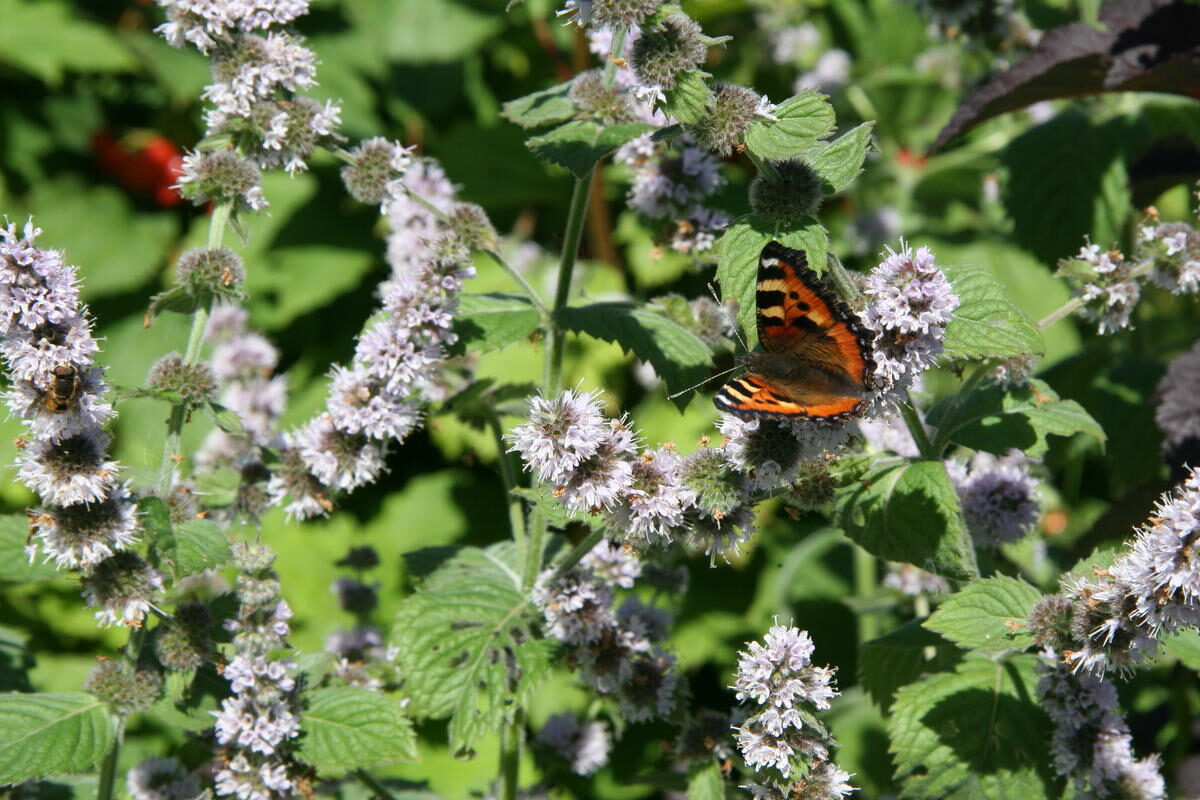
<point x="816" y="359"/>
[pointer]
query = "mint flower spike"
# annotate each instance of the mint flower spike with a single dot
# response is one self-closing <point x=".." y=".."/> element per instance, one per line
<point x="87" y="519"/>
<point x="909" y="304"/>
<point x="1091" y="742"/>
<point x="202" y="22"/>
<point x="585" y="745"/>
<point x="998" y="495"/>
<point x="782" y="737"/>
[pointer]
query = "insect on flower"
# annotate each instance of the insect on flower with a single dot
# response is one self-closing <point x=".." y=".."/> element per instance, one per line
<point x="64" y="388"/>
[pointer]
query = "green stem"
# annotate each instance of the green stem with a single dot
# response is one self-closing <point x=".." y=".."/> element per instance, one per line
<point x="510" y="758"/>
<point x="615" y="49"/>
<point x="865" y="583"/>
<point x="577" y="553"/>
<point x="108" y="769"/>
<point x="840" y="277"/>
<point x="942" y="438"/>
<point x="508" y="474"/>
<point x="552" y="372"/>
<point x="369" y="780"/>
<point x="916" y="427"/>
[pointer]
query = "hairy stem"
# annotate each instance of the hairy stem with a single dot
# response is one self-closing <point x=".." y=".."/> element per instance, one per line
<point x="865" y="584"/>
<point x="577" y="553"/>
<point x="108" y="768"/>
<point x="942" y="438"/>
<point x="510" y="757"/>
<point x="916" y="427"/>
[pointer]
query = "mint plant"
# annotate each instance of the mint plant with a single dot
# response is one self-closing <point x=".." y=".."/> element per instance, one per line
<point x="365" y="446"/>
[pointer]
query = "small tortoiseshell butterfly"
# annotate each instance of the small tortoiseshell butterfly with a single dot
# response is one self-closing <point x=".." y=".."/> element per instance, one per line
<point x="817" y="357"/>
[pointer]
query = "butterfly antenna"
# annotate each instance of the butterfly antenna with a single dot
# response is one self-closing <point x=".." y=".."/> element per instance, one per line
<point x="709" y="379"/>
<point x="729" y="320"/>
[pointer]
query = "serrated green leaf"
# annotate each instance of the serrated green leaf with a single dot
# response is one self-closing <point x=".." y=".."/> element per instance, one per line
<point x="349" y="728"/>
<point x="198" y="545"/>
<point x="899" y="657"/>
<point x="547" y="107"/>
<point x="177" y="299"/>
<point x="973" y="733"/>
<point x="15" y="566"/>
<point x="487" y="322"/>
<point x="678" y="356"/>
<point x="995" y="419"/>
<point x="706" y="783"/>
<point x="466" y="644"/>
<point x="579" y="145"/>
<point x="688" y="101"/>
<point x="48" y="734"/>
<point x="1067" y="181"/>
<point x="48" y="38"/>
<point x="803" y="120"/>
<point x="988" y="615"/>
<point x="987" y="323"/>
<point x="839" y="162"/>
<point x="156" y="520"/>
<point x="737" y="270"/>
<point x="909" y="512"/>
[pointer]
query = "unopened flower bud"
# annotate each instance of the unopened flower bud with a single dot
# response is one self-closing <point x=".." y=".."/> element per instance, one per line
<point x="211" y="273"/>
<point x="605" y="104"/>
<point x="377" y="162"/>
<point x="794" y="192"/>
<point x="194" y="383"/>
<point x="664" y="51"/>
<point x="126" y="690"/>
<point x="730" y="111"/>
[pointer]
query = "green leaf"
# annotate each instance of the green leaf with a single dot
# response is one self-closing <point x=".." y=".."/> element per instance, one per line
<point x="48" y="734"/>
<point x="487" y="322"/>
<point x="987" y="323"/>
<point x="706" y="783"/>
<point x="688" y="101"/>
<point x="466" y="644"/>
<point x="579" y="145"/>
<point x="198" y="545"/>
<point x="156" y="520"/>
<point x="14" y="563"/>
<point x="737" y="270"/>
<point x="899" y="657"/>
<point x="909" y="512"/>
<point x="1184" y="645"/>
<point x="1067" y="181"/>
<point x="678" y="356"/>
<point x="995" y="419"/>
<point x="803" y="121"/>
<point x="547" y="107"/>
<point x="988" y="615"/>
<point x="839" y="162"/>
<point x="47" y="39"/>
<point x="116" y="248"/>
<point x="423" y="31"/>
<point x="348" y="728"/>
<point x="976" y="732"/>
<point x="224" y="418"/>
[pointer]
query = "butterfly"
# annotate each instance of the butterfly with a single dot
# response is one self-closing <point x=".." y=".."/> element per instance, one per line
<point x="816" y="360"/>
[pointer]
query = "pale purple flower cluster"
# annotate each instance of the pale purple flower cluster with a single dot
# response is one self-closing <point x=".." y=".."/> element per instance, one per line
<point x="202" y="22"/>
<point x="909" y="305"/>
<point x="1178" y="393"/>
<point x="1112" y="292"/>
<point x="378" y="397"/>
<point x="258" y="721"/>
<point x="1175" y="248"/>
<point x="585" y="745"/>
<point x="771" y="452"/>
<point x="670" y="183"/>
<point x="57" y="391"/>
<point x="911" y="580"/>
<point x="998" y="497"/>
<point x="595" y="464"/>
<point x="413" y="226"/>
<point x="888" y="433"/>
<point x="243" y="361"/>
<point x="779" y="677"/>
<point x="162" y="779"/>
<point x="1091" y="742"/>
<point x="1162" y="566"/>
<point x="615" y="648"/>
<point x="255" y="81"/>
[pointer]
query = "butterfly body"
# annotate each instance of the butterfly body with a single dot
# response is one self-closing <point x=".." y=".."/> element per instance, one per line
<point x="815" y="360"/>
